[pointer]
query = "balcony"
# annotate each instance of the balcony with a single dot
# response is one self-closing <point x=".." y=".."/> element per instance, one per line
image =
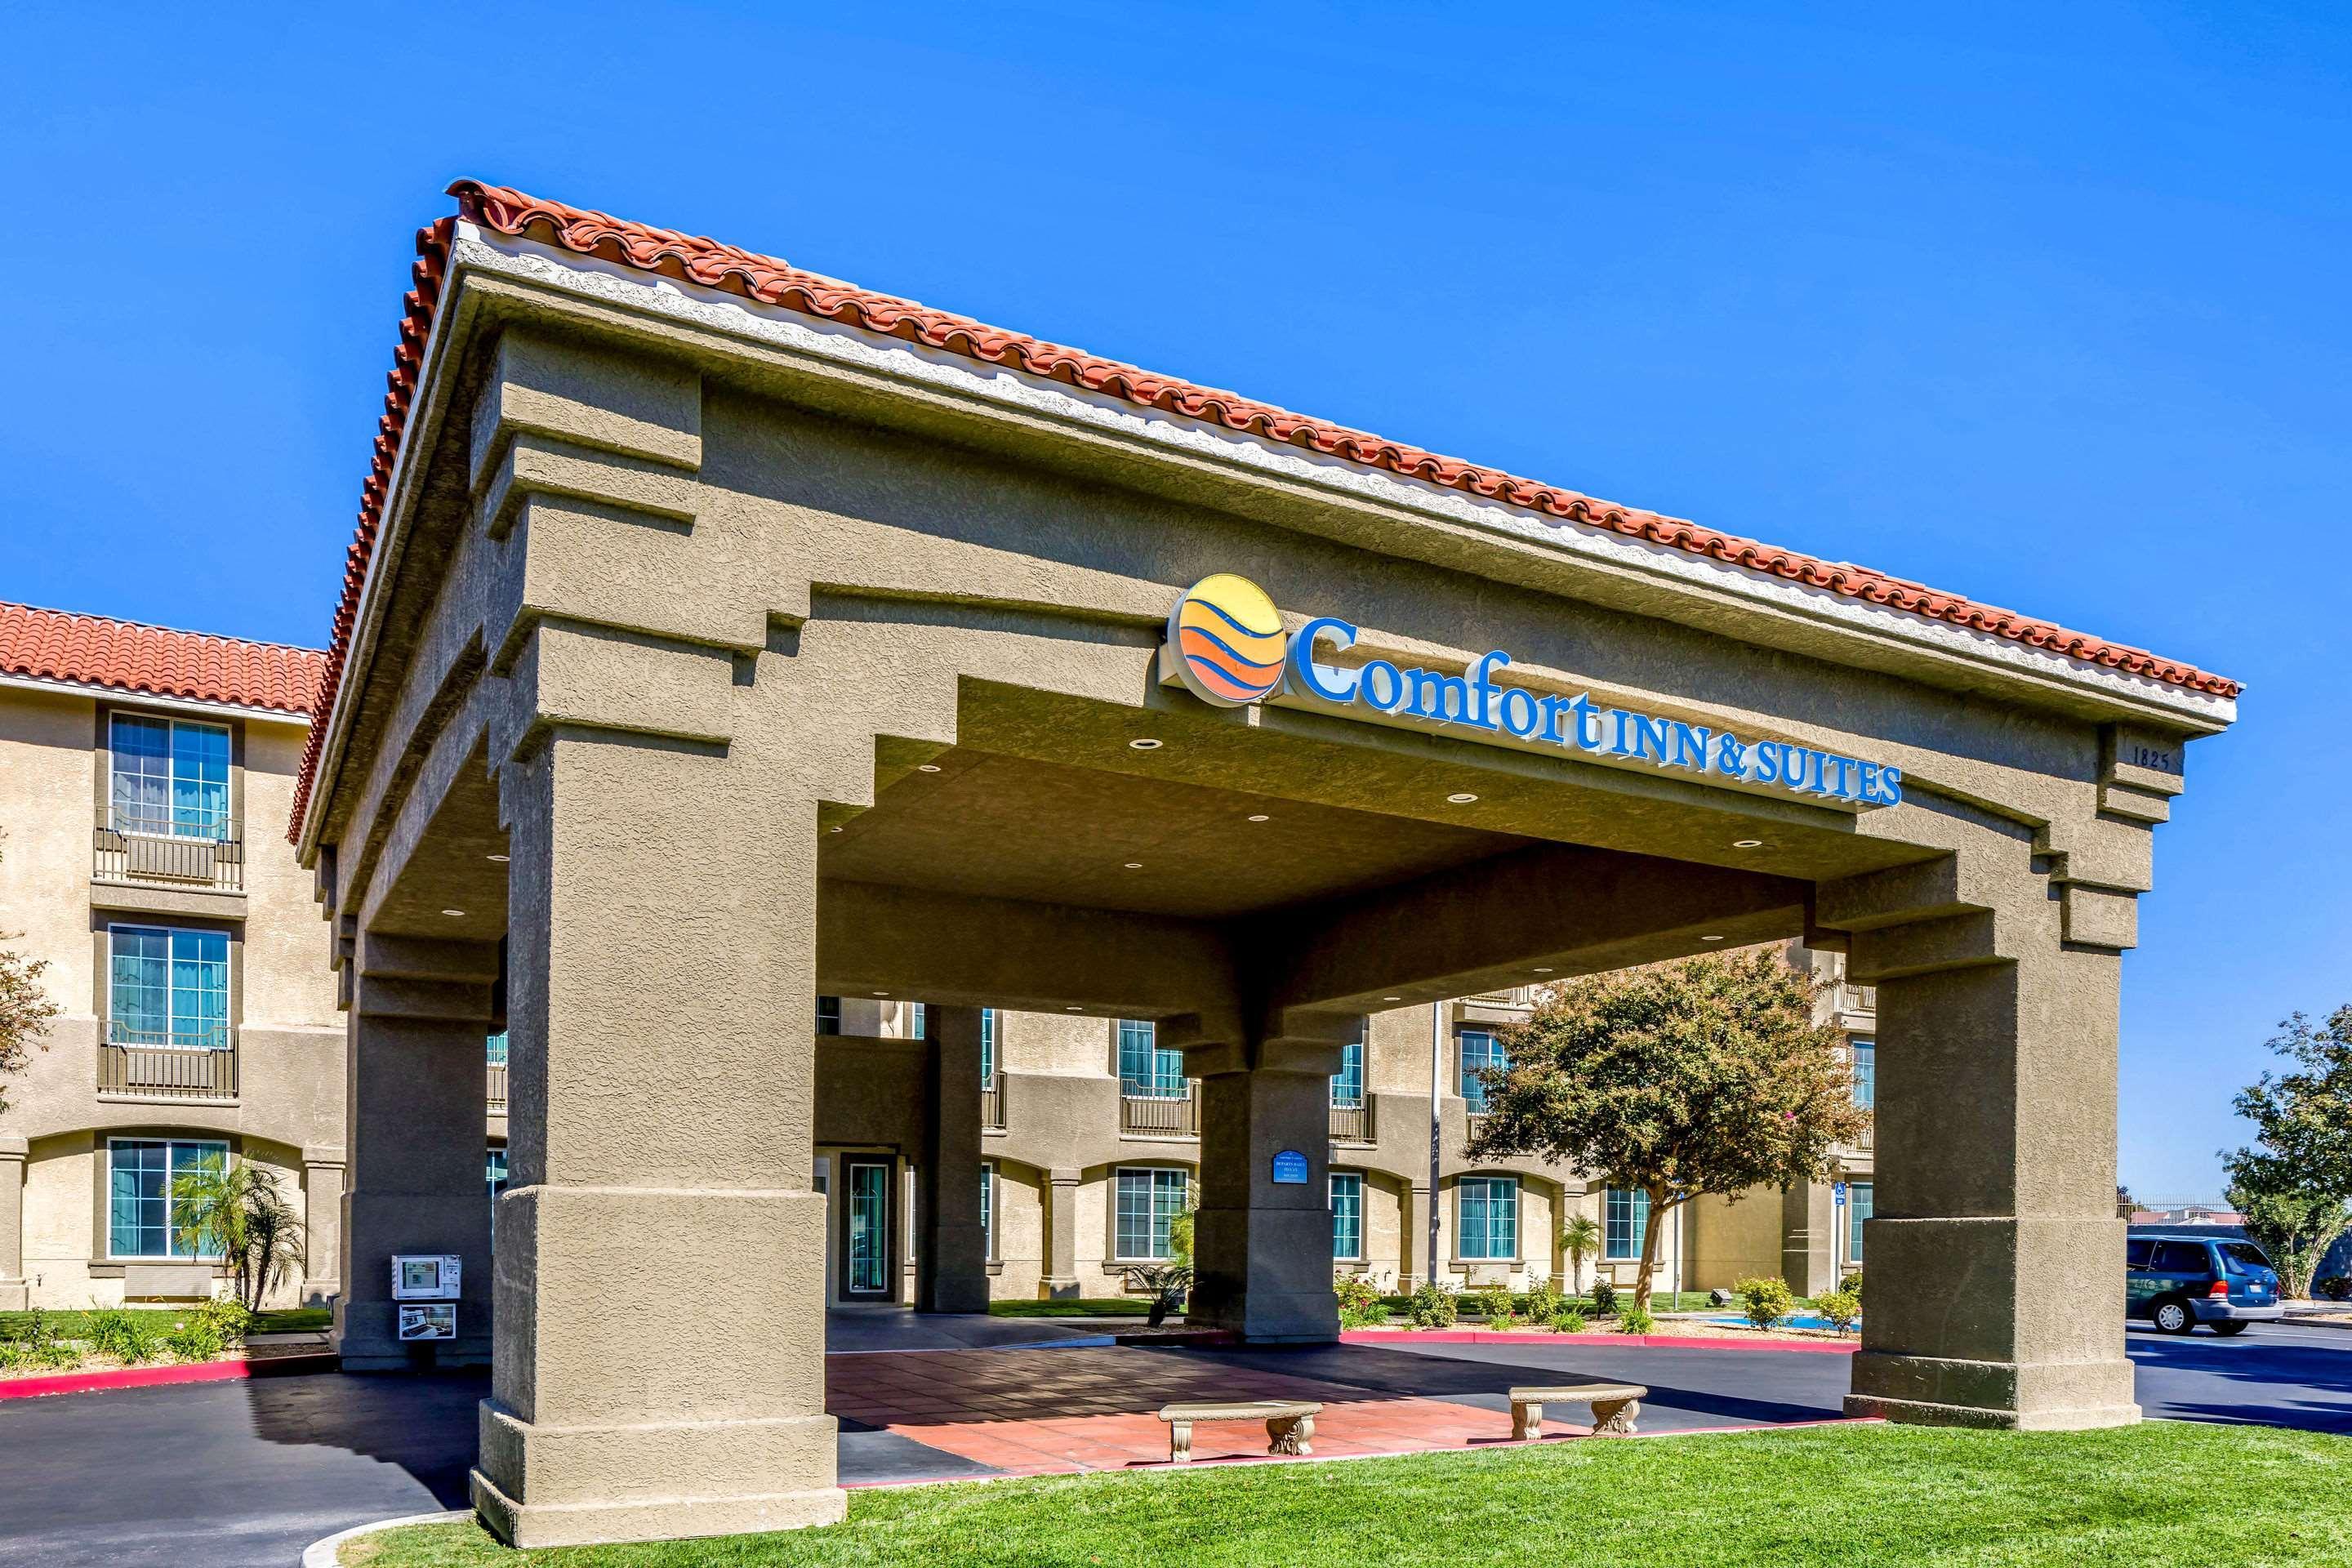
<point x="1351" y="1123"/>
<point x="1851" y="998"/>
<point x="1160" y="1115"/>
<point x="991" y="1104"/>
<point x="126" y="850"/>
<point x="498" y="1087"/>
<point x="152" y="1064"/>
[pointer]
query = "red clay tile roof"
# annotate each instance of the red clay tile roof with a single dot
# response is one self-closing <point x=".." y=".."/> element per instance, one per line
<point x="772" y="281"/>
<point x="124" y="655"/>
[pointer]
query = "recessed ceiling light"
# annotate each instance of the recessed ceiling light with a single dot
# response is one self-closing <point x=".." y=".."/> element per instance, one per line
<point x="881" y="992"/>
<point x="1261" y="816"/>
<point x="1073" y="1009"/>
<point x="927" y="767"/>
<point x="1143" y="743"/>
<point x="1464" y="798"/>
<point x="1135" y="864"/>
<point x="1710" y="938"/>
<point x="1748" y="844"/>
<point x="835" y="829"/>
<point x="452" y="913"/>
<point x="501" y="859"/>
<point x="1543" y="969"/>
<point x="1392" y="998"/>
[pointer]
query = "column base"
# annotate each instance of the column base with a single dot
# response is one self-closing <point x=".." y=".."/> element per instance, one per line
<point x="1922" y="1413"/>
<point x="1275" y="1288"/>
<point x="525" y="1525"/>
<point x="956" y="1293"/>
<point x="1054" y="1289"/>
<point x="367" y="1338"/>
<point x="14" y="1294"/>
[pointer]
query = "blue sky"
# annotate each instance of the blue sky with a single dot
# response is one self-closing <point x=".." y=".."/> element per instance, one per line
<point x="2045" y="305"/>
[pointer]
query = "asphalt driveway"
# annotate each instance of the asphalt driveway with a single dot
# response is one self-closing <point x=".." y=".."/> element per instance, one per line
<point x="228" y="1475"/>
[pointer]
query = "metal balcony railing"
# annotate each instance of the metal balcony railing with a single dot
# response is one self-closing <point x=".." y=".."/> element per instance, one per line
<point x="498" y="1087"/>
<point x="1160" y="1115"/>
<point x="991" y="1104"/>
<point x="157" y="1064"/>
<point x="1351" y="1122"/>
<point x="153" y="853"/>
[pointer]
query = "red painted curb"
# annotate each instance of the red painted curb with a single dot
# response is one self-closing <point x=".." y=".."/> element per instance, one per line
<point x="1643" y="1341"/>
<point x="156" y="1376"/>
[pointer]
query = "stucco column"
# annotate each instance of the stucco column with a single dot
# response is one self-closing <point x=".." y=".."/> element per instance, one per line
<point x="322" y="1225"/>
<point x="412" y="1133"/>
<point x="660" y="1367"/>
<point x="1808" y="1238"/>
<point x="1262" y="1246"/>
<point x="14" y="1290"/>
<point x="1412" y="1238"/>
<point x="1061" y="1281"/>
<point x="1996" y="1260"/>
<point x="951" y="1255"/>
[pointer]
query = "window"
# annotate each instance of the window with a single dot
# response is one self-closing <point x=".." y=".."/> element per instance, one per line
<point x="168" y="987"/>
<point x="1489" y="1218"/>
<point x="2242" y="1256"/>
<point x="1348" y="1083"/>
<point x="868" y="1184"/>
<point x="2183" y="1257"/>
<point x="987" y="1047"/>
<point x="829" y="1014"/>
<point x="1346" y="1215"/>
<point x="917" y="1020"/>
<point x="1481" y="1052"/>
<point x="1857" y="1209"/>
<point x="140" y="1220"/>
<point x="2137" y="1253"/>
<point x="494" y="1172"/>
<point x="1625" y="1213"/>
<point x="1144" y="1070"/>
<point x="497" y="1048"/>
<point x="1148" y="1200"/>
<point x="988" y="1210"/>
<point x="1865" y="1072"/>
<point x="169" y="778"/>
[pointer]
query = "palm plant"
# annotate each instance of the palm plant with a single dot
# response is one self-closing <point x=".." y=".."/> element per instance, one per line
<point x="1580" y="1238"/>
<point x="239" y="1214"/>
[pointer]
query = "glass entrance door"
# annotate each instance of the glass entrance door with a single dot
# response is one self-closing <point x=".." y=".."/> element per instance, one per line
<point x="867" y="1194"/>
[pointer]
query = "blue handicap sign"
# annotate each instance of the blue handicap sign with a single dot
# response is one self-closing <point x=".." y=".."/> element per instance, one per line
<point x="1837" y="1191"/>
<point x="1290" y="1168"/>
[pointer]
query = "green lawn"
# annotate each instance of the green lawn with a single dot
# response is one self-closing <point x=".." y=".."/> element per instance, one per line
<point x="72" y="1324"/>
<point x="1087" y="1307"/>
<point x="2162" y="1493"/>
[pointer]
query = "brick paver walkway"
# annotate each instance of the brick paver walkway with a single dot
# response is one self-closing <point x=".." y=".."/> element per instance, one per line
<point x="1044" y="1411"/>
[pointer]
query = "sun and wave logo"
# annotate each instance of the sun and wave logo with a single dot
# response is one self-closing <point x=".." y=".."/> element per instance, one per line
<point x="1228" y="640"/>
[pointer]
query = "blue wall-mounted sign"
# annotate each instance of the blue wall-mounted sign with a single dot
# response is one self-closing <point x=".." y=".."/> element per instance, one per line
<point x="1289" y="1168"/>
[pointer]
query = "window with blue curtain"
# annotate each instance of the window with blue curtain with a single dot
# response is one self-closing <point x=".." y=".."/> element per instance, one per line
<point x="1346" y="1215"/>
<point x="1144" y="1070"/>
<point x="1857" y="1209"/>
<point x="987" y="1047"/>
<point x="1348" y="1083"/>
<point x="918" y="1021"/>
<point x="1487" y="1218"/>
<point x="168" y="987"/>
<point x="1865" y="1072"/>
<point x="1147" y="1201"/>
<point x="988" y="1210"/>
<point x="169" y="777"/>
<point x="140" y="1221"/>
<point x="497" y="1049"/>
<point x="1625" y="1213"/>
<point x="1481" y="1052"/>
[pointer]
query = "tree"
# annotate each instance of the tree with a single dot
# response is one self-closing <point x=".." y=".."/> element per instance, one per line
<point x="2294" y="1185"/>
<point x="25" y="1012"/>
<point x="238" y="1213"/>
<point x="1580" y="1238"/>
<point x="1705" y="1076"/>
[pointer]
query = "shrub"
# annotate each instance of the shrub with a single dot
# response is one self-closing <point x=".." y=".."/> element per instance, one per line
<point x="195" y="1338"/>
<point x="1359" y="1301"/>
<point x="128" y="1336"/>
<point x="1840" y="1307"/>
<point x="1567" y="1320"/>
<point x="1604" y="1298"/>
<point x="1542" y="1300"/>
<point x="1635" y="1321"/>
<point x="1853" y="1285"/>
<point x="2335" y="1288"/>
<point x="1766" y="1301"/>
<point x="1494" y="1303"/>
<point x="229" y="1317"/>
<point x="35" y="1342"/>
<point x="1433" y="1306"/>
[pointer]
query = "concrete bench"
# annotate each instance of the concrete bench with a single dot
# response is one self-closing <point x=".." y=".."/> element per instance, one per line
<point x="1290" y="1423"/>
<point x="1614" y="1405"/>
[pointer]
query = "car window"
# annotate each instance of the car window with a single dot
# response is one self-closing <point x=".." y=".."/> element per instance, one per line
<point x="2135" y="1253"/>
<point x="2182" y="1258"/>
<point x="2242" y="1257"/>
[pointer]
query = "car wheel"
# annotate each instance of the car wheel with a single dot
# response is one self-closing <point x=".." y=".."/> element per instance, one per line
<point x="2173" y="1317"/>
<point x="2229" y="1326"/>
